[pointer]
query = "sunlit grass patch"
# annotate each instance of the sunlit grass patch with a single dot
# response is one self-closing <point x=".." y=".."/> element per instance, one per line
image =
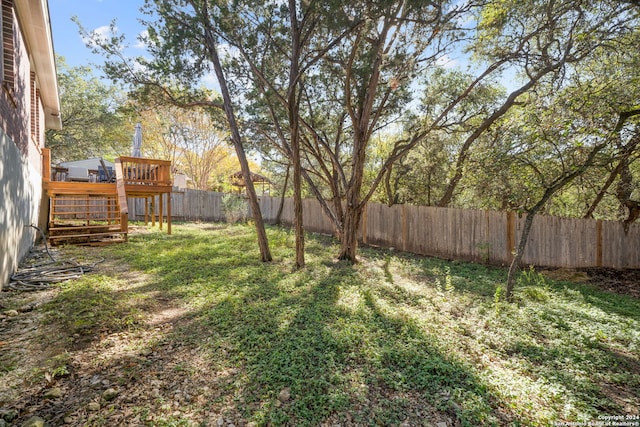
<point x="94" y="304"/>
<point x="393" y="339"/>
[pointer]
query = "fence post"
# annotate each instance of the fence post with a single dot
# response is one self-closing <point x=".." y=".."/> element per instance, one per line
<point x="511" y="235"/>
<point x="364" y="223"/>
<point x="404" y="227"/>
<point x="599" y="243"/>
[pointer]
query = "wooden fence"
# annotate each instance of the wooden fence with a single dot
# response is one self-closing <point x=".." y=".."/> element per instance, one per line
<point x="476" y="235"/>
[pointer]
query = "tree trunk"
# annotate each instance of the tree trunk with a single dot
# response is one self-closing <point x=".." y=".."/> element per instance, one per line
<point x="282" y="197"/>
<point x="517" y="258"/>
<point x="351" y="225"/>
<point x="624" y="192"/>
<point x="349" y="244"/>
<point x="263" y="242"/>
<point x="294" y="127"/>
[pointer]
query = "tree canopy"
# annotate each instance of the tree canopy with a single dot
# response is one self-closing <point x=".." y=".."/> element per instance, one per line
<point x="93" y="122"/>
<point x="364" y="101"/>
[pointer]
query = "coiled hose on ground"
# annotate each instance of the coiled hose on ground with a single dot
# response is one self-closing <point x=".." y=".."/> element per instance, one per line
<point x="41" y="276"/>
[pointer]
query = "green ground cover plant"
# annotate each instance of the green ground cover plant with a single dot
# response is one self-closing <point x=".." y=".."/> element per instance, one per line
<point x="394" y="340"/>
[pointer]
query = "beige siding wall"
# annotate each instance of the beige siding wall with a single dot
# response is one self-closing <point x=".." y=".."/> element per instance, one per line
<point x="20" y="195"/>
<point x="20" y="165"/>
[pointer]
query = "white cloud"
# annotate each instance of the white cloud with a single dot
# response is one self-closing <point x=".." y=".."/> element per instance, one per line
<point x="102" y="33"/>
<point x="211" y="81"/>
<point x="142" y="44"/>
<point x="225" y="50"/>
<point x="446" y="62"/>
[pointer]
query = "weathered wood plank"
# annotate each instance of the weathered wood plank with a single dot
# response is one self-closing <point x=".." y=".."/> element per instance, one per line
<point x="484" y="236"/>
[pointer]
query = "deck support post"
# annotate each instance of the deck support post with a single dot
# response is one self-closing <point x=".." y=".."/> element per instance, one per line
<point x="168" y="213"/>
<point x="153" y="211"/>
<point x="161" y="208"/>
<point x="146" y="211"/>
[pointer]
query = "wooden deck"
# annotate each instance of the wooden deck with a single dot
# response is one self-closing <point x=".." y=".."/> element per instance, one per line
<point x="97" y="213"/>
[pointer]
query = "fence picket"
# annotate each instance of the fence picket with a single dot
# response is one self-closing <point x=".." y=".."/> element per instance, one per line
<point x="466" y="234"/>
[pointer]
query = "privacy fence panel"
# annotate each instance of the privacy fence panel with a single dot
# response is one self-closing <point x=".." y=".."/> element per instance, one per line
<point x="484" y="236"/>
<point x="187" y="205"/>
<point x="455" y="233"/>
<point x="269" y="208"/>
<point x="314" y="219"/>
<point x="273" y="204"/>
<point x="620" y="249"/>
<point x="382" y="225"/>
<point x="560" y="242"/>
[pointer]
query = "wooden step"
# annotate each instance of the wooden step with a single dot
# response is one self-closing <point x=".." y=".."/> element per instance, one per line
<point x="65" y="236"/>
<point x="91" y="239"/>
<point x="54" y="213"/>
<point x="84" y="227"/>
<point x="74" y="231"/>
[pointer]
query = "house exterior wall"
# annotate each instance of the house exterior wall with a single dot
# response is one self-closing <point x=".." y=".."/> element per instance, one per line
<point x="21" y="193"/>
<point x="14" y="103"/>
<point x="20" y="160"/>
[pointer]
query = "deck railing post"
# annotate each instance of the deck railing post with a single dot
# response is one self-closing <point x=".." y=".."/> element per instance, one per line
<point x="122" y="198"/>
<point x="168" y="213"/>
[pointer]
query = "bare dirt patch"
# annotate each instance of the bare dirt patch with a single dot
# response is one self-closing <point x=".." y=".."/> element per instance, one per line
<point x="143" y="375"/>
<point x="623" y="282"/>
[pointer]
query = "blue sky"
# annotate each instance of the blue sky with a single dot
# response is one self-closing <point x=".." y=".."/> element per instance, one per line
<point x="94" y="15"/>
<point x="97" y="15"/>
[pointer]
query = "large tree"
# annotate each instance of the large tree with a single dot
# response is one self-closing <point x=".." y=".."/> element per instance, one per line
<point x="362" y="86"/>
<point x="356" y="66"/>
<point x="322" y="80"/>
<point x="287" y="40"/>
<point x="93" y="123"/>
<point x="192" y="139"/>
<point x="183" y="46"/>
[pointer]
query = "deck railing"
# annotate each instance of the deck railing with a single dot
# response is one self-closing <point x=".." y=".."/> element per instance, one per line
<point x="122" y="196"/>
<point x="135" y="171"/>
<point x="141" y="171"/>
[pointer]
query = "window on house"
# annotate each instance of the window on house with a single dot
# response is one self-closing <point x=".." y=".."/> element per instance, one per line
<point x="35" y="108"/>
<point x="6" y="32"/>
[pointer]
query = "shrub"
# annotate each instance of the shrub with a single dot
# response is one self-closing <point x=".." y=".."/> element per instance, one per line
<point x="234" y="207"/>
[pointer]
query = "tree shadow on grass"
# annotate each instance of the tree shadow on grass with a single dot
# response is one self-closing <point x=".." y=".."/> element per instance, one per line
<point x="579" y="348"/>
<point x="333" y="341"/>
<point x="568" y="336"/>
<point x="342" y="357"/>
<point x="609" y="302"/>
<point x="466" y="277"/>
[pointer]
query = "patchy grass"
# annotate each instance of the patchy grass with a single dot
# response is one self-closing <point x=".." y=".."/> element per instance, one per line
<point x="394" y="340"/>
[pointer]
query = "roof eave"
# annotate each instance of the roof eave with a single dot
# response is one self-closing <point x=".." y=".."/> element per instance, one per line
<point x="36" y="25"/>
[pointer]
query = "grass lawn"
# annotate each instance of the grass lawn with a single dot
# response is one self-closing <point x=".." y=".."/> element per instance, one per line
<point x="192" y="329"/>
